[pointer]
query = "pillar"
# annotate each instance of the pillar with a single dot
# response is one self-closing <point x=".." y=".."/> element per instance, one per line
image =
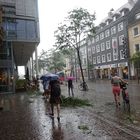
<point x="36" y="61"/>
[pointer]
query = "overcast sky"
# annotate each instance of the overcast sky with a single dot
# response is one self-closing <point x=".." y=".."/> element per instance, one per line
<point x="52" y="12"/>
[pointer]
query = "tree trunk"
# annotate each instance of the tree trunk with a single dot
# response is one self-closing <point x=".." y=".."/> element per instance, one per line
<point x="80" y="64"/>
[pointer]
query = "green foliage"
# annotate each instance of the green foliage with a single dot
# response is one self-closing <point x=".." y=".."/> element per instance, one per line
<point x="74" y="102"/>
<point x="20" y="83"/>
<point x="78" y="25"/>
<point x="52" y="59"/>
<point x="136" y="59"/>
<point x="83" y="127"/>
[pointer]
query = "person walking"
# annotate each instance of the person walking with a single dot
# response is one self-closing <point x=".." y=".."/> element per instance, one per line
<point x="46" y="89"/>
<point x="70" y="87"/>
<point x="116" y="89"/>
<point x="55" y="99"/>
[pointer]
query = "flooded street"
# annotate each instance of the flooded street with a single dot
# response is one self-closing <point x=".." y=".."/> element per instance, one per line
<point x="26" y="117"/>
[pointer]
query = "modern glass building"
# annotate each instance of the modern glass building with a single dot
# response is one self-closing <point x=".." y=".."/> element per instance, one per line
<point x="19" y="37"/>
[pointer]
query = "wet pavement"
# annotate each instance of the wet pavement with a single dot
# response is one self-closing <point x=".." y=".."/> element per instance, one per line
<point x="25" y="117"/>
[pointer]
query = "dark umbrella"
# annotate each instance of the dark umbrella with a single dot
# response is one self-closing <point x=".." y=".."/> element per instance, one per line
<point x="49" y="77"/>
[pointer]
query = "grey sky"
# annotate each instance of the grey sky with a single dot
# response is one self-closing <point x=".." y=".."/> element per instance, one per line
<point x="52" y="12"/>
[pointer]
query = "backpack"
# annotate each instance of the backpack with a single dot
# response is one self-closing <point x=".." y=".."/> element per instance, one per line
<point x="56" y="91"/>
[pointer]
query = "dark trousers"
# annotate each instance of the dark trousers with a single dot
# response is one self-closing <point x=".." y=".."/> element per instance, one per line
<point x="70" y="90"/>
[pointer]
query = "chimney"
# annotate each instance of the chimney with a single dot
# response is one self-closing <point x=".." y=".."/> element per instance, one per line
<point x="110" y="13"/>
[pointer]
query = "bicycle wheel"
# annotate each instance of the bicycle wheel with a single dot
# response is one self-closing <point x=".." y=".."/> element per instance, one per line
<point x="80" y="87"/>
<point x="85" y="87"/>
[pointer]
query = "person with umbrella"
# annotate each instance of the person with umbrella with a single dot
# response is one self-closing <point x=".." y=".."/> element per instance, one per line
<point x="55" y="92"/>
<point x="55" y="98"/>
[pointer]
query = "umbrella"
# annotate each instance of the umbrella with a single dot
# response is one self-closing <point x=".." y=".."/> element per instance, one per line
<point x="49" y="77"/>
<point x="71" y="78"/>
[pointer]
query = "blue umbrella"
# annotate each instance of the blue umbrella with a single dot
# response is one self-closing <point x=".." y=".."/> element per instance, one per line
<point x="49" y="77"/>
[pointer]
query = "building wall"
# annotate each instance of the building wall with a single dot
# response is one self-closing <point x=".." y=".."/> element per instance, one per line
<point x="133" y="39"/>
<point x="21" y="26"/>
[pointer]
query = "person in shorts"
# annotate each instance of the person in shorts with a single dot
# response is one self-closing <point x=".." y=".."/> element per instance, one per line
<point x="115" y="81"/>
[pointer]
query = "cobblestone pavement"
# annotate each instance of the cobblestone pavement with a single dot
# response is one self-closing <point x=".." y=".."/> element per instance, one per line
<point x="25" y="117"/>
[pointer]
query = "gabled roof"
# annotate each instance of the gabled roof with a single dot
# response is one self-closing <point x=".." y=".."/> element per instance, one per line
<point x="128" y="6"/>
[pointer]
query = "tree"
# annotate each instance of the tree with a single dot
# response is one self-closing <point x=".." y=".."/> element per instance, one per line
<point x="78" y="25"/>
<point x="52" y="59"/>
<point x="136" y="60"/>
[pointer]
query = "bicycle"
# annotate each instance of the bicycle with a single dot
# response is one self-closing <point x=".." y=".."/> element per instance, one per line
<point x="83" y="86"/>
<point x="125" y="96"/>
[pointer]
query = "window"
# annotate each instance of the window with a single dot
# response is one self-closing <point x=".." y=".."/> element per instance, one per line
<point x="135" y="31"/>
<point x="120" y="26"/>
<point x="93" y="49"/>
<point x="94" y="60"/>
<point x="137" y="47"/>
<point x="101" y="36"/>
<point x="115" y="56"/>
<point x="115" y="48"/>
<point x="121" y="39"/>
<point x="113" y="30"/>
<point x="97" y="48"/>
<point x="121" y="54"/>
<point x="89" y="51"/>
<point x="108" y="57"/>
<point x="107" y="45"/>
<point x="84" y="61"/>
<point x="97" y="38"/>
<point x="107" y="33"/>
<point x="114" y="18"/>
<point x="98" y="59"/>
<point x="89" y="42"/>
<point x="138" y="16"/>
<point x="102" y="46"/>
<point x="103" y="58"/>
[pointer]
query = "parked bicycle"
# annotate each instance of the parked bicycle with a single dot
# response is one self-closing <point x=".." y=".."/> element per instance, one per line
<point x="83" y="86"/>
<point x="125" y="96"/>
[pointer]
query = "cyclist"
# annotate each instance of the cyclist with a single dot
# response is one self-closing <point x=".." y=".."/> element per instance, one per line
<point x="115" y="81"/>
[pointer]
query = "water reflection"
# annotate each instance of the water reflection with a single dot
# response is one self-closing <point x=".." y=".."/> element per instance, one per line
<point x="57" y="132"/>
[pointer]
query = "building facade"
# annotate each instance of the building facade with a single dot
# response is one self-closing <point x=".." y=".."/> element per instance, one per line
<point x="109" y="54"/>
<point x="20" y="25"/>
<point x="134" y="37"/>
